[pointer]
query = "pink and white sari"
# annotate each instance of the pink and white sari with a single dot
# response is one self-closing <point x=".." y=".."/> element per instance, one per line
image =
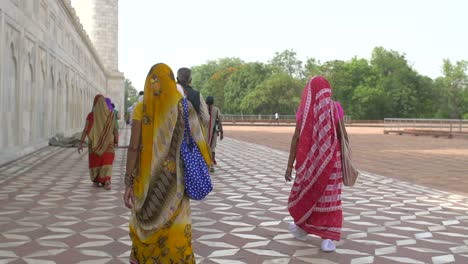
<point x="315" y="199"/>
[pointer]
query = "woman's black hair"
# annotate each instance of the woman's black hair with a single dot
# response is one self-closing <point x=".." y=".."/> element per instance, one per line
<point x="209" y="100"/>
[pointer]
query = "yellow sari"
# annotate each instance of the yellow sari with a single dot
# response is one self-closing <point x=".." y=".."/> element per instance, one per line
<point x="101" y="132"/>
<point x="160" y="225"/>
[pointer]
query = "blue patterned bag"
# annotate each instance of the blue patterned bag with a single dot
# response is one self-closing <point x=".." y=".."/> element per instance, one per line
<point x="197" y="179"/>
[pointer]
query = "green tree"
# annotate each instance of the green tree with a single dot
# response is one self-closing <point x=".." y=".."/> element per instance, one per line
<point x="426" y="106"/>
<point x="399" y="82"/>
<point x="384" y="86"/>
<point x="452" y="90"/>
<point x="130" y="94"/>
<point x="202" y="73"/>
<point x="368" y="103"/>
<point x="241" y="82"/>
<point x="211" y="78"/>
<point x="278" y="94"/>
<point x="312" y="68"/>
<point x="286" y="61"/>
<point x="345" y="77"/>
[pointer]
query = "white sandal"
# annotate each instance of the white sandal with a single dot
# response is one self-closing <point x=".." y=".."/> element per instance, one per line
<point x="328" y="245"/>
<point x="297" y="232"/>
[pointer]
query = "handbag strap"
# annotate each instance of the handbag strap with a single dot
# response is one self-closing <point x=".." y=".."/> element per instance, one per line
<point x="340" y="122"/>
<point x="187" y="135"/>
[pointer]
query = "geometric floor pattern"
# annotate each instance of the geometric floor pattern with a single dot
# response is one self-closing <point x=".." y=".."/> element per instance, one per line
<point x="50" y="213"/>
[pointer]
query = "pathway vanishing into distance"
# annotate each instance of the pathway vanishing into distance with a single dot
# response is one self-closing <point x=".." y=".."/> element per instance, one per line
<point x="50" y="213"/>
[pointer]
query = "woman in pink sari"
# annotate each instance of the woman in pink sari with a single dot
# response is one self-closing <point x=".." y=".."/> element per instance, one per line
<point x="315" y="199"/>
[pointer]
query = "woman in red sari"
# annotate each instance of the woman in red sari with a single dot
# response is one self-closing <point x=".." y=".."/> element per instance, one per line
<point x="102" y="137"/>
<point x="315" y="199"/>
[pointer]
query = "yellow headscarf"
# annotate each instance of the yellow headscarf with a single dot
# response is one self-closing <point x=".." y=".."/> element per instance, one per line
<point x="160" y="113"/>
<point x="102" y="126"/>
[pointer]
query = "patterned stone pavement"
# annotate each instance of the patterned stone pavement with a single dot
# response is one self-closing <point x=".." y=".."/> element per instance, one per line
<point x="50" y="213"/>
<point x="433" y="162"/>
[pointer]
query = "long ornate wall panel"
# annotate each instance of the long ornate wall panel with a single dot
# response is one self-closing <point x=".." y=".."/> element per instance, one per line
<point x="49" y="74"/>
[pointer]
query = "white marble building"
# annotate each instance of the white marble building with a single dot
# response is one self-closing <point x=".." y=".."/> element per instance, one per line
<point x="51" y="68"/>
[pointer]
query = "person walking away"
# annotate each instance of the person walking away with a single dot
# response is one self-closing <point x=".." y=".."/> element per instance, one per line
<point x="315" y="199"/>
<point x="160" y="223"/>
<point x="132" y="107"/>
<point x="116" y="115"/>
<point x="109" y="103"/>
<point x="102" y="137"/>
<point x="184" y="80"/>
<point x="215" y="128"/>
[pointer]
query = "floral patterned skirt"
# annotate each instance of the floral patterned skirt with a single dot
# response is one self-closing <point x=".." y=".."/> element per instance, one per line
<point x="170" y="244"/>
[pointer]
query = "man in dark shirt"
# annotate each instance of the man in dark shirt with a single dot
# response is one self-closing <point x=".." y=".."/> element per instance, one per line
<point x="184" y="79"/>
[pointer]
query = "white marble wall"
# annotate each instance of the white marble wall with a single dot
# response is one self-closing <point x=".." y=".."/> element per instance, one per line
<point x="49" y="74"/>
<point x="103" y="30"/>
<point x="106" y="32"/>
<point x="105" y="37"/>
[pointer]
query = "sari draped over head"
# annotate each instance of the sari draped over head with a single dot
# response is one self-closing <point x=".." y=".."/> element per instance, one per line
<point x="109" y="104"/>
<point x="102" y="126"/>
<point x="315" y="199"/>
<point x="100" y="132"/>
<point x="160" y="226"/>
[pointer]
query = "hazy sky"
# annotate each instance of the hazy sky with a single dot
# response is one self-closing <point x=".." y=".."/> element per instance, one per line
<point x="186" y="33"/>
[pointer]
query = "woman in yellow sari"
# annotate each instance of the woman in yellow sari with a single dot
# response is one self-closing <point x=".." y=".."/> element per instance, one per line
<point x="160" y="225"/>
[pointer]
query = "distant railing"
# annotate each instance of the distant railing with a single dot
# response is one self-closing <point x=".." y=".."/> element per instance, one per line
<point x="442" y="127"/>
<point x="265" y="119"/>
